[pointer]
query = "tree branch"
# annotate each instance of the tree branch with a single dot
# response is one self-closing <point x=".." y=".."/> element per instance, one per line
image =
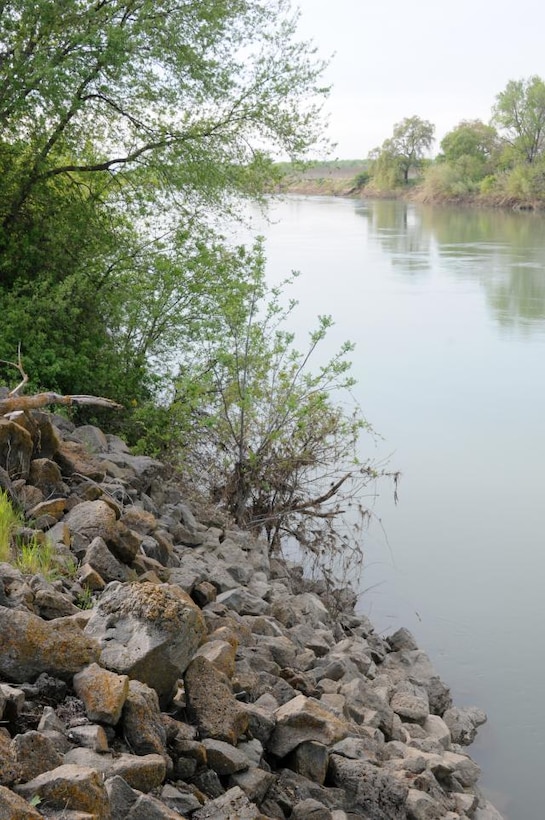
<point x="12" y="403"/>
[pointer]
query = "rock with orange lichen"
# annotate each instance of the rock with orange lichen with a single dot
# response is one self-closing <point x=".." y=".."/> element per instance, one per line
<point x="211" y="703"/>
<point x="70" y="787"/>
<point x="30" y="645"/>
<point x="103" y="693"/>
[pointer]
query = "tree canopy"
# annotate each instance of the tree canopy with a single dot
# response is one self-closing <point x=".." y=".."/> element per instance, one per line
<point x="520" y="114"/>
<point x="403" y="151"/>
<point x="127" y="126"/>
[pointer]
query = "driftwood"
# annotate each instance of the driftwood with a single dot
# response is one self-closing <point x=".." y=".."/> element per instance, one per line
<point x="13" y="402"/>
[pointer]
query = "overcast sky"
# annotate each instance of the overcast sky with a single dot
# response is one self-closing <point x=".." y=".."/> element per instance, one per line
<point x="444" y="62"/>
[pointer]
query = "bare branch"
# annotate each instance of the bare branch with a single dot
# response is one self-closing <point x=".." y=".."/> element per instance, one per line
<point x="19" y="367"/>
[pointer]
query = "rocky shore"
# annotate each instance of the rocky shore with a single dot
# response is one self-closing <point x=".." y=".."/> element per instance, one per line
<point x="170" y="668"/>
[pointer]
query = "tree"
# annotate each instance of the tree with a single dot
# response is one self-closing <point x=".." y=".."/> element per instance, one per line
<point x="404" y="151"/>
<point x="126" y="126"/>
<point x="520" y="114"/>
<point x="470" y="138"/>
<point x="471" y="151"/>
<point x="268" y="434"/>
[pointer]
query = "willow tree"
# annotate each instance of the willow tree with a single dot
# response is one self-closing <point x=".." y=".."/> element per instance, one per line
<point x="126" y="126"/>
<point x="403" y="152"/>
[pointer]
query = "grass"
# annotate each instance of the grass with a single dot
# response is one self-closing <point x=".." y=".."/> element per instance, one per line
<point x="32" y="556"/>
<point x="9" y="521"/>
<point x="36" y="558"/>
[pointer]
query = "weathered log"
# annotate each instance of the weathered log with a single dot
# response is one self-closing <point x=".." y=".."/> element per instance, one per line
<point x="12" y="403"/>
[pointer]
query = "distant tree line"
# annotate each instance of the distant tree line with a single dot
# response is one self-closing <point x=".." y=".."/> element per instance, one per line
<point x="502" y="161"/>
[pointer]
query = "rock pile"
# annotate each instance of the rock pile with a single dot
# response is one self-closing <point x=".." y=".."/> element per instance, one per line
<point x="173" y="670"/>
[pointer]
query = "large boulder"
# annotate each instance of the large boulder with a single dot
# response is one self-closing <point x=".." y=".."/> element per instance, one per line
<point x="30" y="646"/>
<point x="147" y="631"/>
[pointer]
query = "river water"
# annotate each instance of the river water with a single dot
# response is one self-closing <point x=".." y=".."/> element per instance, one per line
<point x="447" y="310"/>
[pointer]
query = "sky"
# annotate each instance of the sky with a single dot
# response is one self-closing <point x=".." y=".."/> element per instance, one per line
<point x="444" y="62"/>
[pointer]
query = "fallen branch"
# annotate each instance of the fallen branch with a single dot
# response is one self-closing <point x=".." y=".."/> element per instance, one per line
<point x="25" y="403"/>
<point x="13" y="402"/>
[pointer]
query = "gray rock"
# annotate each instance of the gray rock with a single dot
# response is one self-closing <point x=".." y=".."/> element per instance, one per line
<point x="411" y="706"/>
<point x="192" y="571"/>
<point x="148" y="807"/>
<point x="303" y="719"/>
<point x="402" y="639"/>
<point x="148" y="632"/>
<point x="233" y="803"/>
<point x="310" y="810"/>
<point x="182" y="802"/>
<point x="311" y="759"/>
<point x="92" y="519"/>
<point x="261" y="722"/>
<point x="465" y="769"/>
<point x="120" y="795"/>
<point x="142" y="724"/>
<point x="414" y="665"/>
<point x="243" y="602"/>
<point x="463" y="723"/>
<point x="102" y="560"/>
<point x="420" y="806"/>
<point x="370" y="790"/>
<point x="255" y="783"/>
<point x="223" y="758"/>
<point x="436" y="727"/>
<point x="145" y="469"/>
<point x="92" y="438"/>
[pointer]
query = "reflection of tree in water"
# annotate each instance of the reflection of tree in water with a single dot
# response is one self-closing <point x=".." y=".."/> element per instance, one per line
<point x="397" y="226"/>
<point x="518" y="300"/>
<point x="502" y="250"/>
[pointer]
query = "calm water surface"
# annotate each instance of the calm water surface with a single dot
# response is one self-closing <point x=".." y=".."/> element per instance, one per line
<point x="447" y="309"/>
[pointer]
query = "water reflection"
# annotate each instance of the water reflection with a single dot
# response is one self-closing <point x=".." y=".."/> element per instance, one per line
<point x="400" y="232"/>
<point x="503" y="251"/>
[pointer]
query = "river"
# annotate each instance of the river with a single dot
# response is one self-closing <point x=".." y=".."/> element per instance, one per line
<point x="447" y="310"/>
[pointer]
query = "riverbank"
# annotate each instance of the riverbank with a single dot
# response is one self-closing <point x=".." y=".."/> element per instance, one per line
<point x="350" y="180"/>
<point x="170" y="667"/>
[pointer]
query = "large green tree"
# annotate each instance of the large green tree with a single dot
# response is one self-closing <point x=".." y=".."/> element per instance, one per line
<point x="471" y="150"/>
<point x="519" y="113"/>
<point x="126" y="126"/>
<point x="403" y="152"/>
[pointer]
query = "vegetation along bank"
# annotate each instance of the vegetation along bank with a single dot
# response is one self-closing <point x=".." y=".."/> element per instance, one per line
<point x="496" y="164"/>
